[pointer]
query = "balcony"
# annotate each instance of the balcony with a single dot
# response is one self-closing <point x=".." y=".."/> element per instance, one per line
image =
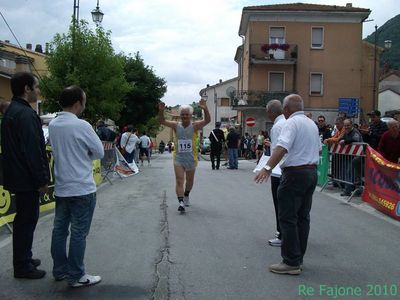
<point x="255" y="99"/>
<point x="279" y="54"/>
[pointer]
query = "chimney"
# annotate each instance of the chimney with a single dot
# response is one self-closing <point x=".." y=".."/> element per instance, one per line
<point x="208" y="85"/>
<point x="220" y="81"/>
<point x="38" y="48"/>
<point x="47" y="47"/>
<point x="349" y="5"/>
<point x="7" y="41"/>
<point x="29" y="46"/>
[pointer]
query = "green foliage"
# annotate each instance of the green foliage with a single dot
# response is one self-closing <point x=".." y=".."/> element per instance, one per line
<point x="197" y="111"/>
<point x="141" y="102"/>
<point x="85" y="57"/>
<point x="152" y="127"/>
<point x="389" y="31"/>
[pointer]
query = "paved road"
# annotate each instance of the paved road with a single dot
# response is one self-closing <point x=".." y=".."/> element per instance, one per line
<point x="144" y="249"/>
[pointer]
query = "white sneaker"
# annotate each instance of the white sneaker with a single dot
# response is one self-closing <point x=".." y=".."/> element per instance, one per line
<point x="186" y="201"/>
<point x="86" y="280"/>
<point x="275" y="242"/>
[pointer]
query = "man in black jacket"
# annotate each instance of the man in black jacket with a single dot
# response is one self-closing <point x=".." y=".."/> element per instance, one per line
<point x="217" y="139"/>
<point x="25" y="169"/>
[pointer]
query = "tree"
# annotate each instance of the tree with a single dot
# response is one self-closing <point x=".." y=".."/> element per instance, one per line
<point x="197" y="111"/>
<point x="86" y="58"/>
<point x="147" y="90"/>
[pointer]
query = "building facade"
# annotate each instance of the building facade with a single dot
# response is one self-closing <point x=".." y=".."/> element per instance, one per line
<point x="219" y="102"/>
<point x="313" y="50"/>
<point x="16" y="59"/>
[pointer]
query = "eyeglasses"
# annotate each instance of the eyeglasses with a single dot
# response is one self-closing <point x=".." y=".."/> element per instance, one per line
<point x="320" y="120"/>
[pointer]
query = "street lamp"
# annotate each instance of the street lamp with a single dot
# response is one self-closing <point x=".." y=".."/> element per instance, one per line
<point x="97" y="14"/>
<point x="388" y="45"/>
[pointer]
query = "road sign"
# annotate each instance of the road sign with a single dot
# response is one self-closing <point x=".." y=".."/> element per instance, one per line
<point x="250" y="122"/>
<point x="350" y="106"/>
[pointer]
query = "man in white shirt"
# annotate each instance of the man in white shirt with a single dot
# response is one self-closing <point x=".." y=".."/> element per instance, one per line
<point x="144" y="147"/>
<point x="299" y="140"/>
<point x="274" y="113"/>
<point x="75" y="145"/>
<point x="129" y="141"/>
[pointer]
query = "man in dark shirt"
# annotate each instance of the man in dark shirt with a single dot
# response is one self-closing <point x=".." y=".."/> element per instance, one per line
<point x="352" y="166"/>
<point x="376" y="129"/>
<point x="25" y="169"/>
<point x="217" y="139"/>
<point x="233" y="139"/>
<point x="105" y="133"/>
<point x="389" y="145"/>
<point x="323" y="129"/>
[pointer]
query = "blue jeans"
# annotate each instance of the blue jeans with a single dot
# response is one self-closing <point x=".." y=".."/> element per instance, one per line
<point x="233" y="158"/>
<point x="78" y="212"/>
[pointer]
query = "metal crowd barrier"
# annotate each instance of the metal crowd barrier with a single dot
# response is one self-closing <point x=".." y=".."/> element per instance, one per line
<point x="347" y="166"/>
<point x="108" y="161"/>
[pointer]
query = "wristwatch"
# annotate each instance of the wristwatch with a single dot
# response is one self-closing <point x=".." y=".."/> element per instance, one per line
<point x="268" y="168"/>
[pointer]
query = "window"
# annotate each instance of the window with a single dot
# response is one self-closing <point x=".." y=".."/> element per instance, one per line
<point x="316" y="84"/>
<point x="277" y="35"/>
<point x="276" y="82"/>
<point x="317" y="37"/>
<point x="225" y="120"/>
<point x="224" y="101"/>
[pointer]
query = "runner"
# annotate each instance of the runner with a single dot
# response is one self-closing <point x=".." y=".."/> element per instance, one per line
<point x="185" y="154"/>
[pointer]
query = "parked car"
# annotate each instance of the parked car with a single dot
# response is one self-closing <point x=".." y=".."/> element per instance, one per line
<point x="205" y="146"/>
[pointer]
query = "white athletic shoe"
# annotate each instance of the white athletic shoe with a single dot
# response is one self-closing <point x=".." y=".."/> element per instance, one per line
<point x="86" y="280"/>
<point x="275" y="242"/>
<point x="186" y="201"/>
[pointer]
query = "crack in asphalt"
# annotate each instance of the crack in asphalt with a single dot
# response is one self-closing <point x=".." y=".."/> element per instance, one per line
<point x="162" y="264"/>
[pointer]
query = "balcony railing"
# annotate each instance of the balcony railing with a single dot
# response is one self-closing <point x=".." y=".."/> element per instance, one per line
<point x="273" y="53"/>
<point x="247" y="99"/>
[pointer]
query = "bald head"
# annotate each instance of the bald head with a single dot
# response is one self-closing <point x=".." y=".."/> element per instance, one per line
<point x="292" y="104"/>
<point x="394" y="128"/>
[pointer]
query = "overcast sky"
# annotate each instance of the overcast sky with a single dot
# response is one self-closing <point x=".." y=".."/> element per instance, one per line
<point x="188" y="42"/>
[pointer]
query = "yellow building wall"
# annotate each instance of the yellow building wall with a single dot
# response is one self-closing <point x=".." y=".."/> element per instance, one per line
<point x="340" y="61"/>
<point x="38" y="67"/>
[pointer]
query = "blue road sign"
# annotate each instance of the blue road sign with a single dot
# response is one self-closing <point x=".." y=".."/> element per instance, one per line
<point x="350" y="106"/>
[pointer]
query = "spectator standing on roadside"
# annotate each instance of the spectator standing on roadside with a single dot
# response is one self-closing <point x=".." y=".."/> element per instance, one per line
<point x="389" y="145"/>
<point x="339" y="132"/>
<point x="233" y="140"/>
<point x="217" y="139"/>
<point x="25" y="169"/>
<point x="323" y="129"/>
<point x="260" y="145"/>
<point x="274" y="113"/>
<point x="351" y="165"/>
<point x="105" y="133"/>
<point x="75" y="145"/>
<point x="144" y="147"/>
<point x="300" y="142"/>
<point x="376" y="129"/>
<point x="129" y="141"/>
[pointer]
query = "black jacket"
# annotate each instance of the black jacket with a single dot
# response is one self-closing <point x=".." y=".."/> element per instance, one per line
<point x="25" y="164"/>
<point x="220" y="136"/>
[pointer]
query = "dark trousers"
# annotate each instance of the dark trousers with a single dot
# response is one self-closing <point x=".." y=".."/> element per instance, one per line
<point x="295" y="199"/>
<point x="26" y="218"/>
<point x="275" y="181"/>
<point x="215" y="154"/>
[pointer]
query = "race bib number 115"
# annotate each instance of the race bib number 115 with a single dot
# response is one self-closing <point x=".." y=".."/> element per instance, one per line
<point x="184" y="146"/>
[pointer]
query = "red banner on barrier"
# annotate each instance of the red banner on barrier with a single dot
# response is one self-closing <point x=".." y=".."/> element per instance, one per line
<point x="382" y="184"/>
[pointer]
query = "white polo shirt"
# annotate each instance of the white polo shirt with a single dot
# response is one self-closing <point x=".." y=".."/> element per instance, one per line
<point x="75" y="145"/>
<point x="300" y="138"/>
<point x="276" y="130"/>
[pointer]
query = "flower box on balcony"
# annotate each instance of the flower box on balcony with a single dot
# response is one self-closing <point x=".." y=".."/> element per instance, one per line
<point x="276" y="51"/>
